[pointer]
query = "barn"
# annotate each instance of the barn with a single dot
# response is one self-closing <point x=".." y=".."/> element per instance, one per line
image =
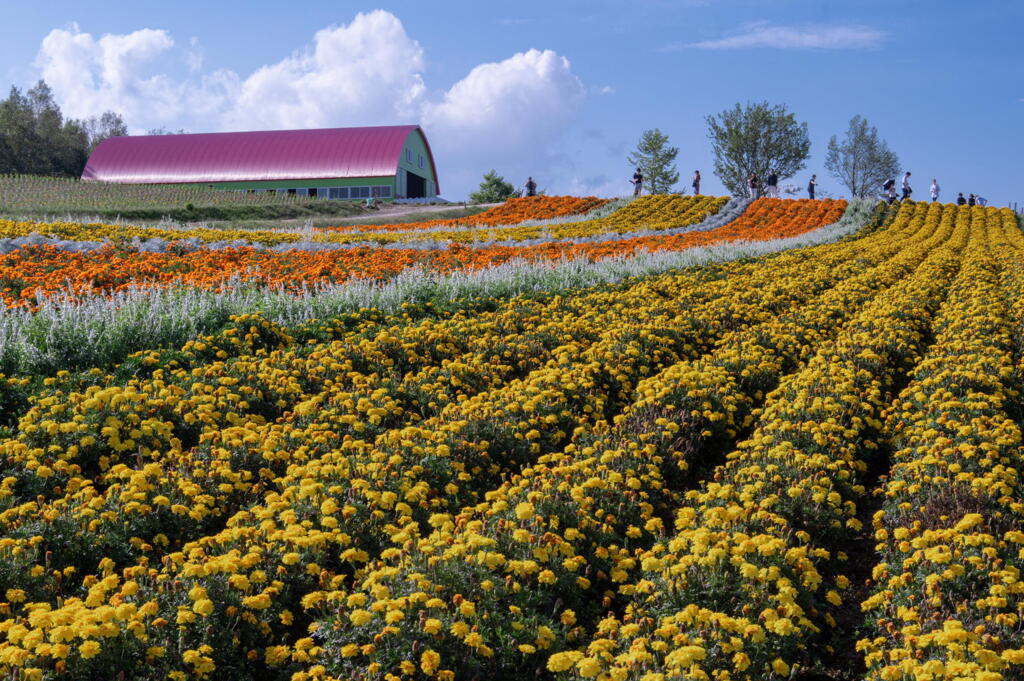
<point x="384" y="162"/>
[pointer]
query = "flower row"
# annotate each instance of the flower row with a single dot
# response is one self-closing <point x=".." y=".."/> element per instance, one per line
<point x="947" y="598"/>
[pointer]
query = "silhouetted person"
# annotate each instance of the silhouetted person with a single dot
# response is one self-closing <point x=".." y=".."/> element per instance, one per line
<point x="960" y="200"/>
<point x="752" y="184"/>
<point x="971" y="201"/>
<point x="531" y="187"/>
<point x="638" y="182"/>
<point x="811" y="186"/>
<point x="696" y="182"/>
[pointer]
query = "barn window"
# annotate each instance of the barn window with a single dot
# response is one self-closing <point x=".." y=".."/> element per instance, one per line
<point x="421" y="160"/>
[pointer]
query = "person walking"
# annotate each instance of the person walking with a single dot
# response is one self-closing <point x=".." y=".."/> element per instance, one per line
<point x="696" y="182"/>
<point x="890" y="190"/>
<point x="960" y="200"/>
<point x="811" y="186"/>
<point x="752" y="185"/>
<point x="638" y="182"/>
<point x="906" y="186"/>
<point x="531" y="187"/>
<point x="772" y="185"/>
<point x="934" y="190"/>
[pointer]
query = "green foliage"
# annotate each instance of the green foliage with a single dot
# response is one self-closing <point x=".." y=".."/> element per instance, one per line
<point x="493" y="189"/>
<point x="36" y="139"/>
<point x="757" y="138"/>
<point x="656" y="160"/>
<point x="863" y="161"/>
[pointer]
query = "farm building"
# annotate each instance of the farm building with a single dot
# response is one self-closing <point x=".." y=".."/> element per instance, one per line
<point x="336" y="163"/>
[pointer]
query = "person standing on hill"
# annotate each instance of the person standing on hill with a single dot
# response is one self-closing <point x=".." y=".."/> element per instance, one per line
<point x="971" y="200"/>
<point x="696" y="182"/>
<point x="638" y="182"/>
<point x="752" y="185"/>
<point x="531" y="187"/>
<point x="906" y="186"/>
<point x="960" y="200"/>
<point x="934" y="189"/>
<point x="772" y="185"/>
<point x="811" y="186"/>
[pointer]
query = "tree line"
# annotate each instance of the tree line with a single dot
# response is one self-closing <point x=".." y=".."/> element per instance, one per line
<point x="763" y="139"/>
<point x="37" y="139"/>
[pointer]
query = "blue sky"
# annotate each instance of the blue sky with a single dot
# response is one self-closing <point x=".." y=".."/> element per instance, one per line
<point x="559" y="89"/>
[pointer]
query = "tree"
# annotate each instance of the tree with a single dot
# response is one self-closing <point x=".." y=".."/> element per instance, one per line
<point x="110" y="124"/>
<point x="757" y="138"/>
<point x="656" y="161"/>
<point x="863" y="161"/>
<point x="164" y="131"/>
<point x="493" y="189"/>
<point x="36" y="139"/>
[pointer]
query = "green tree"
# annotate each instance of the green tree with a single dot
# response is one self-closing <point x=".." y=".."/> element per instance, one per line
<point x="36" y="139"/>
<point x="757" y="138"/>
<point x="656" y="161"/>
<point x="493" y="189"/>
<point x="862" y="162"/>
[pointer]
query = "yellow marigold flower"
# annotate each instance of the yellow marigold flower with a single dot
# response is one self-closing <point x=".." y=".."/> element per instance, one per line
<point x="780" y="667"/>
<point x="432" y="626"/>
<point x="89" y="649"/>
<point x="429" y="662"/>
<point x="203" y="607"/>
<point x="15" y="595"/>
<point x="588" y="667"/>
<point x="291" y="558"/>
<point x="568" y="618"/>
<point x="560" y="662"/>
<point x="360" y="617"/>
<point x="524" y="510"/>
<point x="547" y="577"/>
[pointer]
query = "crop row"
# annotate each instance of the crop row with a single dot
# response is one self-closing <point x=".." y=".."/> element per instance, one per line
<point x="70" y="332"/>
<point x="511" y="212"/>
<point x="750" y="584"/>
<point x="146" y="496"/>
<point x="541" y="558"/>
<point x="30" y="273"/>
<point x="654" y="213"/>
<point x="947" y="595"/>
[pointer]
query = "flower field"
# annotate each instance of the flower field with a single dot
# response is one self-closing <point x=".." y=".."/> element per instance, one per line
<point x="29" y="272"/>
<point x="802" y="465"/>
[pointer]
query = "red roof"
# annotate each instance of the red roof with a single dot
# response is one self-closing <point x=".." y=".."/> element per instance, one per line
<point x="251" y="156"/>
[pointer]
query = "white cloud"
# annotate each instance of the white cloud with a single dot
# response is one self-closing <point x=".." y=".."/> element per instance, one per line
<point x="762" y="34"/>
<point x="603" y="90"/>
<point x="368" y="72"/>
<point x="524" y="100"/>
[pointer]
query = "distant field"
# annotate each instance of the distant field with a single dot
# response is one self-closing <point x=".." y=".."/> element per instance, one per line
<point x="30" y="195"/>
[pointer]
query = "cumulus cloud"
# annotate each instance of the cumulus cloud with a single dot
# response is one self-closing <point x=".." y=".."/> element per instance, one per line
<point x="764" y="35"/>
<point x="525" y="99"/>
<point x="367" y="72"/>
